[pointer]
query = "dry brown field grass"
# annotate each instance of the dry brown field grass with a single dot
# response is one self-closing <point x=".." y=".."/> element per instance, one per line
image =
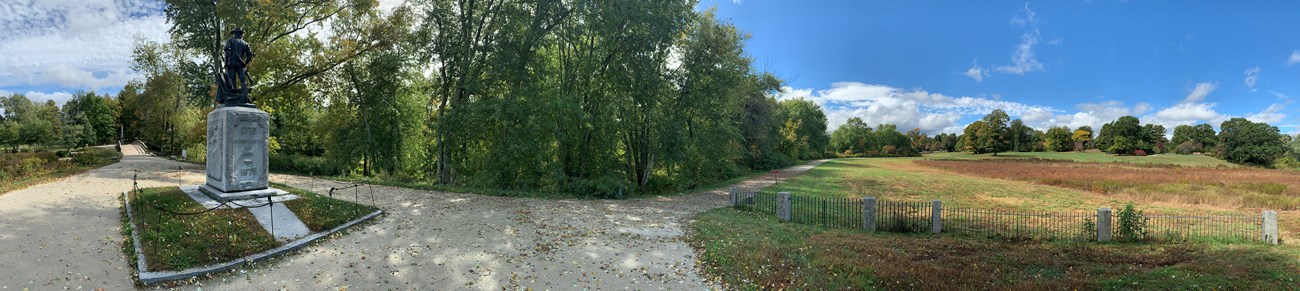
<point x="1231" y="188"/>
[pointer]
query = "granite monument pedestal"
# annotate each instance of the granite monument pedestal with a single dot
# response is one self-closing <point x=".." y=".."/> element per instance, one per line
<point x="237" y="154"/>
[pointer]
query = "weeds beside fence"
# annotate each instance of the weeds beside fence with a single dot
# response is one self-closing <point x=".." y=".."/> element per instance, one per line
<point x="919" y="217"/>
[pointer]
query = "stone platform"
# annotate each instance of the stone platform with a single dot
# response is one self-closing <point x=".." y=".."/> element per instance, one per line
<point x="220" y="196"/>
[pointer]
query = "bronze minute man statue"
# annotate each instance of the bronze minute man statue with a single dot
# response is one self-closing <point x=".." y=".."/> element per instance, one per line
<point x="233" y="86"/>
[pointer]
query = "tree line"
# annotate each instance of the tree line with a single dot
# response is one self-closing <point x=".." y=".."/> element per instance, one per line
<point x="593" y="97"/>
<point x="1238" y="141"/>
<point x="86" y="119"/>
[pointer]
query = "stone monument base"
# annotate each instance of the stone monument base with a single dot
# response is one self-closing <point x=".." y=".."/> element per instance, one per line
<point x="241" y="195"/>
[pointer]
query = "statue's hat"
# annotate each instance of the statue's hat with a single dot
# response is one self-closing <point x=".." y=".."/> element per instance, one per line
<point x="237" y="31"/>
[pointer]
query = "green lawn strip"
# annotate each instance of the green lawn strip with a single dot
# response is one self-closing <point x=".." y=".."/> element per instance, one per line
<point x="750" y="250"/>
<point x="1095" y="157"/>
<point x="321" y="213"/>
<point x="85" y="160"/>
<point x="178" y="242"/>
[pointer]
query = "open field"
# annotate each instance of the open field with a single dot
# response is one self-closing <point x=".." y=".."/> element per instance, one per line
<point x="1239" y="188"/>
<point x="750" y="250"/>
<point x="738" y="245"/>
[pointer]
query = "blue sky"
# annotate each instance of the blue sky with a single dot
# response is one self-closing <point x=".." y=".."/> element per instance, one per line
<point x="934" y="65"/>
<point x="939" y="65"/>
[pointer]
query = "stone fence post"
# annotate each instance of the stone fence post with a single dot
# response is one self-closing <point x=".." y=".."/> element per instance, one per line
<point x="936" y="216"/>
<point x="733" y="192"/>
<point x="1103" y="224"/>
<point x="1270" y="227"/>
<point x="783" y="206"/>
<point x="869" y="213"/>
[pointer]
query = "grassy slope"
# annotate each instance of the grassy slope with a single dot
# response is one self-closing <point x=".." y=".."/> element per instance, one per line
<point x="748" y="250"/>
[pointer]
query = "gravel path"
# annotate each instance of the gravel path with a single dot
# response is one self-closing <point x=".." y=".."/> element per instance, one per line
<point x="65" y="234"/>
<point x="442" y="240"/>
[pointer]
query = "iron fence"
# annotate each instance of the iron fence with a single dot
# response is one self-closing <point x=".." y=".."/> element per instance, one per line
<point x="918" y="217"/>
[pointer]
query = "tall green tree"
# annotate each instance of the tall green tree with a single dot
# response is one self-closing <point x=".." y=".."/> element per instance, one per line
<point x="1059" y="139"/>
<point x="990" y="134"/>
<point x="1124" y="136"/>
<point x="805" y="128"/>
<point x="1022" y="137"/>
<point x="1201" y="136"/>
<point x="1244" y="142"/>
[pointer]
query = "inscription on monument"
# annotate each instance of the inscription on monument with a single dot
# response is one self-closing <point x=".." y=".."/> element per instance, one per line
<point x="237" y="152"/>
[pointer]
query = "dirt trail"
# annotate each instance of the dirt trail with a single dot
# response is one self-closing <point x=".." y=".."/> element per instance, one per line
<point x="65" y="234"/>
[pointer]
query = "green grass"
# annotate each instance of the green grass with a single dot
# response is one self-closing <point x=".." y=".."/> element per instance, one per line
<point x="1096" y="157"/>
<point x="750" y="250"/>
<point x="22" y="170"/>
<point x="172" y="242"/>
<point x="321" y="213"/>
<point x="178" y="242"/>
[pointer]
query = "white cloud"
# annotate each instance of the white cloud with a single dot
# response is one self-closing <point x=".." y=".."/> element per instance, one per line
<point x="1187" y="113"/>
<point x="1252" y="76"/>
<point x="74" y="44"/>
<point x="1199" y="93"/>
<point x="1294" y="59"/>
<point x="1023" y="59"/>
<point x="41" y="97"/>
<point x="1270" y="115"/>
<point x="881" y="104"/>
<point x="1090" y="114"/>
<point x="976" y="73"/>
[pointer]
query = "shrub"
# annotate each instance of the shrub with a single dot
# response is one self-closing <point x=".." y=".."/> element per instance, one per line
<point x="1286" y="162"/>
<point x="30" y="165"/>
<point x="889" y="150"/>
<point x="606" y="187"/>
<point x="848" y="153"/>
<point x="304" y="165"/>
<point x="1187" y="148"/>
<point x="1089" y="229"/>
<point x="95" y="157"/>
<point x="1140" y="153"/>
<point x="1132" y="224"/>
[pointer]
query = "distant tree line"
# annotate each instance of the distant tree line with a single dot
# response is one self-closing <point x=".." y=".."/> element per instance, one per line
<point x="592" y="97"/>
<point x="1239" y="140"/>
<point x="86" y="119"/>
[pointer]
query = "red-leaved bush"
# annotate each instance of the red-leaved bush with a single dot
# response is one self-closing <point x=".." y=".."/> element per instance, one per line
<point x="1140" y="153"/>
